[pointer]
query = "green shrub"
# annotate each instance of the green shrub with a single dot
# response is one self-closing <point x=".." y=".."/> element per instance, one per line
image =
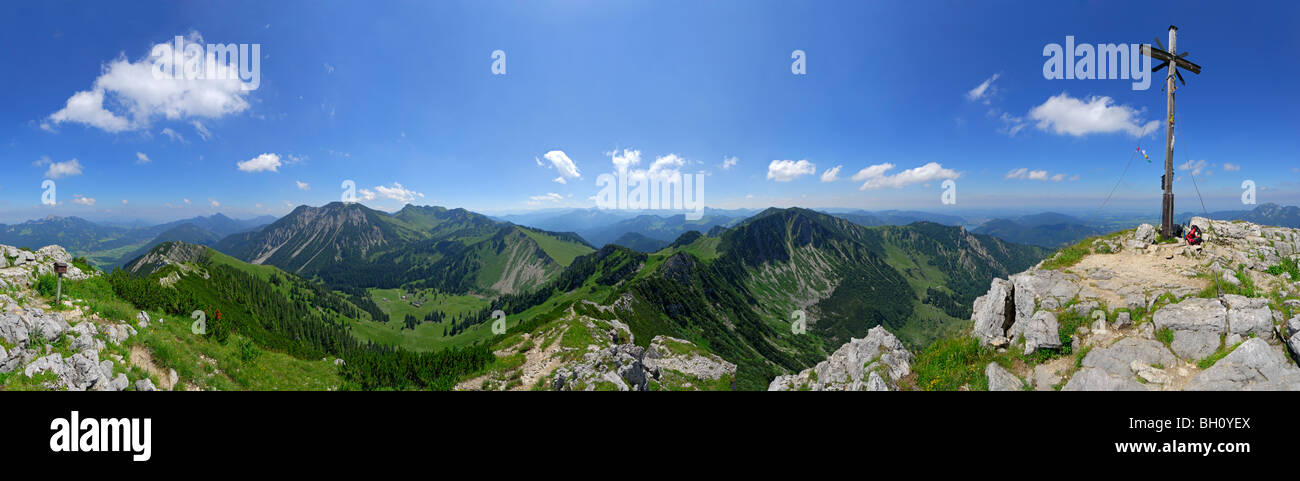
<point x="46" y="285"/>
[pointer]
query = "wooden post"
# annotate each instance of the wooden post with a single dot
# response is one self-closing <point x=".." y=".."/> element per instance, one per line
<point x="1167" y="212"/>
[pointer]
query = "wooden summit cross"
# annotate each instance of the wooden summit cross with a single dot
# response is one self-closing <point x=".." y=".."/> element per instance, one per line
<point x="1172" y="60"/>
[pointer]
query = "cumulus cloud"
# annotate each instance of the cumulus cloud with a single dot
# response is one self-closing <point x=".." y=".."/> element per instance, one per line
<point x="1065" y="115"/>
<point x="140" y="158"/>
<point x="663" y="168"/>
<point x="83" y="200"/>
<point x="627" y="158"/>
<point x="788" y="170"/>
<point x="984" y="89"/>
<point x="876" y="179"/>
<point x="261" y="163"/>
<point x="63" y="169"/>
<point x="831" y="175"/>
<point x="397" y="192"/>
<point x="872" y="172"/>
<point x="729" y="162"/>
<point x="302" y="185"/>
<point x="214" y="203"/>
<point x="563" y="164"/>
<point x="137" y="97"/>
<point x="365" y="194"/>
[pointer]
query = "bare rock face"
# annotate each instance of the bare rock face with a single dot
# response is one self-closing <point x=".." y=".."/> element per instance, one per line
<point x="873" y="363"/>
<point x="1198" y="326"/>
<point x="1001" y="379"/>
<point x="1042" y="331"/>
<point x="1249" y="316"/>
<point x="1145" y="234"/>
<point x="994" y="313"/>
<point x="1252" y="366"/>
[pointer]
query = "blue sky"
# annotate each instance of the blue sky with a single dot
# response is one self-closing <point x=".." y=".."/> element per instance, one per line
<point x="400" y="97"/>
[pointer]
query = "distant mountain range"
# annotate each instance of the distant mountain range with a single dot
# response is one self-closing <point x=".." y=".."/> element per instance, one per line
<point x="111" y="245"/>
<point x="452" y="250"/>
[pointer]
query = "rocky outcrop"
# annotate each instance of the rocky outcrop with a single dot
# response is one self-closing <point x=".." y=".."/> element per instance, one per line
<point x="1001" y="379"/>
<point x="1252" y="366"/>
<point x="873" y="363"/>
<point x="81" y="372"/>
<point x="1163" y="323"/>
<point x="614" y="363"/>
<point x="1119" y="367"/>
<point x="20" y="268"/>
<point x="1198" y="326"/>
<point x="1038" y="332"/>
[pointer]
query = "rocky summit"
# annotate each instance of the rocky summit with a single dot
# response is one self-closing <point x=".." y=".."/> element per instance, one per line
<point x="1137" y="313"/>
<point x="56" y="350"/>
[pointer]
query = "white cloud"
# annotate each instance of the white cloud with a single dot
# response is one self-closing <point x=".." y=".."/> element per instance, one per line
<point x="138" y="97"/>
<point x="984" y="89"/>
<point x="788" y="170"/>
<point x="831" y="175"/>
<point x="397" y="193"/>
<point x="302" y="185"/>
<point x="872" y="172"/>
<point x="562" y="163"/>
<point x="187" y="201"/>
<point x="174" y="135"/>
<point x="365" y="194"/>
<point x="1196" y="166"/>
<point x="329" y="68"/>
<point x="261" y="163"/>
<point x="729" y="162"/>
<point x="626" y="159"/>
<point x="1039" y="174"/>
<point x="140" y="158"/>
<point x="550" y="196"/>
<point x="1063" y="114"/>
<point x="87" y="107"/>
<point x="1231" y="167"/>
<point x="214" y="203"/>
<point x="124" y="202"/>
<point x="916" y="175"/>
<point x="83" y="200"/>
<point x="203" y="131"/>
<point x="63" y="169"/>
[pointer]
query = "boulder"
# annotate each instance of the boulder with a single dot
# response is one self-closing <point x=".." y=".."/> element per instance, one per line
<point x="1117" y="359"/>
<point x="1249" y="316"/>
<point x="13" y="329"/>
<point x="142" y="319"/>
<point x="145" y="384"/>
<point x="994" y="313"/>
<point x="1093" y="379"/>
<point x="1252" y="366"/>
<point x="1038" y="332"/>
<point x="1001" y="379"/>
<point x="1145" y="234"/>
<point x="849" y="367"/>
<point x="678" y="363"/>
<point x="1197" y="324"/>
<point x="48" y="325"/>
<point x="1046" y="288"/>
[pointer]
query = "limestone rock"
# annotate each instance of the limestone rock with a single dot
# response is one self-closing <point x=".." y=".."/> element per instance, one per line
<point x="1001" y="379"/>
<point x="1252" y="366"/>
<point x="1145" y="234"/>
<point x="850" y="366"/>
<point x="1249" y="316"/>
<point x="1197" y="325"/>
<point x="994" y="313"/>
<point x="1038" y="332"/>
